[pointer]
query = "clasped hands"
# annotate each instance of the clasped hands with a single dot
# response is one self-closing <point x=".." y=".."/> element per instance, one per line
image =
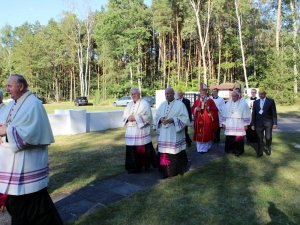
<point x="166" y="121"/>
<point x="198" y="108"/>
<point x="3" y="128"/>
<point x="131" y="118"/>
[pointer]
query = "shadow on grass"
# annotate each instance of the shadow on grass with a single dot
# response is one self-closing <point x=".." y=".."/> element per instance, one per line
<point x="212" y="194"/>
<point x="232" y="190"/>
<point x="277" y="216"/>
<point x="291" y="114"/>
<point x="84" y="163"/>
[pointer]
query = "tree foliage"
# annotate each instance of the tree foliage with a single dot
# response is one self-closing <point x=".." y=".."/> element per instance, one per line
<point x="128" y="43"/>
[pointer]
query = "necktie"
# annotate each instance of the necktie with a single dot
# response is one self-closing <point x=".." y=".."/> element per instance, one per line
<point x="262" y="101"/>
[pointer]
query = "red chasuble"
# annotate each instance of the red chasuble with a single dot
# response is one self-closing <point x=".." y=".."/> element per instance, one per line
<point x="206" y="121"/>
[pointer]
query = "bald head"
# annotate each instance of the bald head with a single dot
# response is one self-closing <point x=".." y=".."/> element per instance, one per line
<point x="169" y="93"/>
<point x="262" y="94"/>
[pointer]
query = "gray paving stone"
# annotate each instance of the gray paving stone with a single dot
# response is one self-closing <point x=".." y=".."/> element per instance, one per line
<point x="104" y="198"/>
<point x="66" y="216"/>
<point x="141" y="179"/>
<point x="78" y="208"/>
<point x="126" y="189"/>
<point x="106" y="185"/>
<point x="72" y="198"/>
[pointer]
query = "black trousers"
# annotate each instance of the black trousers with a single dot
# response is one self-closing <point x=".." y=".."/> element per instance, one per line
<point x="263" y="132"/>
<point x="251" y="135"/>
<point x="136" y="160"/>
<point x="173" y="164"/>
<point x="234" y="144"/>
<point x="33" y="209"/>
<point x="217" y="135"/>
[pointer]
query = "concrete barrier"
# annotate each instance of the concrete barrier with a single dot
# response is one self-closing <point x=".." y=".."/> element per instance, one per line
<point x="77" y="121"/>
<point x="66" y="122"/>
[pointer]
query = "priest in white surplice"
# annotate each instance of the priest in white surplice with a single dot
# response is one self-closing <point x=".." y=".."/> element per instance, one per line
<point x="137" y="117"/>
<point x="170" y="121"/>
<point x="235" y="119"/>
<point x="26" y="134"/>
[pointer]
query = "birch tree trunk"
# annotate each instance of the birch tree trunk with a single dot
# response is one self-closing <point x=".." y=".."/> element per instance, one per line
<point x="236" y="3"/>
<point x="89" y="22"/>
<point x="71" y="83"/>
<point x="295" y="32"/>
<point x="178" y="50"/>
<point x="203" y="35"/>
<point x="278" y="25"/>
<point x="220" y="54"/>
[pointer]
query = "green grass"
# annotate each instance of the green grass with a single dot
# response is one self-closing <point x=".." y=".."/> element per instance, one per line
<point x="230" y="190"/>
<point x="51" y="107"/>
<point x="289" y="111"/>
<point x="283" y="111"/>
<point x="77" y="160"/>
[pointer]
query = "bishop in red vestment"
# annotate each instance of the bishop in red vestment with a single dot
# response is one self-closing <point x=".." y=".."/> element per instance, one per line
<point x="206" y="120"/>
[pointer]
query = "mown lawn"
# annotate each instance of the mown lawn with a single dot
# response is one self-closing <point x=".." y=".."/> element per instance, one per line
<point x="230" y="190"/>
<point x="77" y="160"/>
<point x="289" y="111"/>
<point x="51" y="107"/>
<point x="283" y="111"/>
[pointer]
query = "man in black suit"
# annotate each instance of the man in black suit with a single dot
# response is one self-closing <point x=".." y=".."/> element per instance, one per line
<point x="187" y="104"/>
<point x="264" y="119"/>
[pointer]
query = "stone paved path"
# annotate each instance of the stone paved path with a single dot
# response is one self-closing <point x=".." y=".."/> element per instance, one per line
<point x="102" y="193"/>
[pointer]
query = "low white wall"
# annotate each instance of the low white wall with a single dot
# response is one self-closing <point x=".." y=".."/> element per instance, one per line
<point x="65" y="122"/>
<point x="97" y="121"/>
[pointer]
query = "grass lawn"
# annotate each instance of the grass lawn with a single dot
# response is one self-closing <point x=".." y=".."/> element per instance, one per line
<point x="70" y="105"/>
<point x="283" y="111"/>
<point x="289" y="111"/>
<point x="230" y="190"/>
<point x="77" y="160"/>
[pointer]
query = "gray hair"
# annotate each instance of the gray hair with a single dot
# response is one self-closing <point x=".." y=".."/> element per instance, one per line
<point x="21" y="80"/>
<point x="133" y="90"/>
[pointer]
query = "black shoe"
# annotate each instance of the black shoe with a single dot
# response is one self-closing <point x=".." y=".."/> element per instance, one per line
<point x="268" y="151"/>
<point x="259" y="155"/>
<point x="238" y="153"/>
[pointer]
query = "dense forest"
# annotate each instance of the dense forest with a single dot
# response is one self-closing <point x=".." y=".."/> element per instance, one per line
<point x="177" y="43"/>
